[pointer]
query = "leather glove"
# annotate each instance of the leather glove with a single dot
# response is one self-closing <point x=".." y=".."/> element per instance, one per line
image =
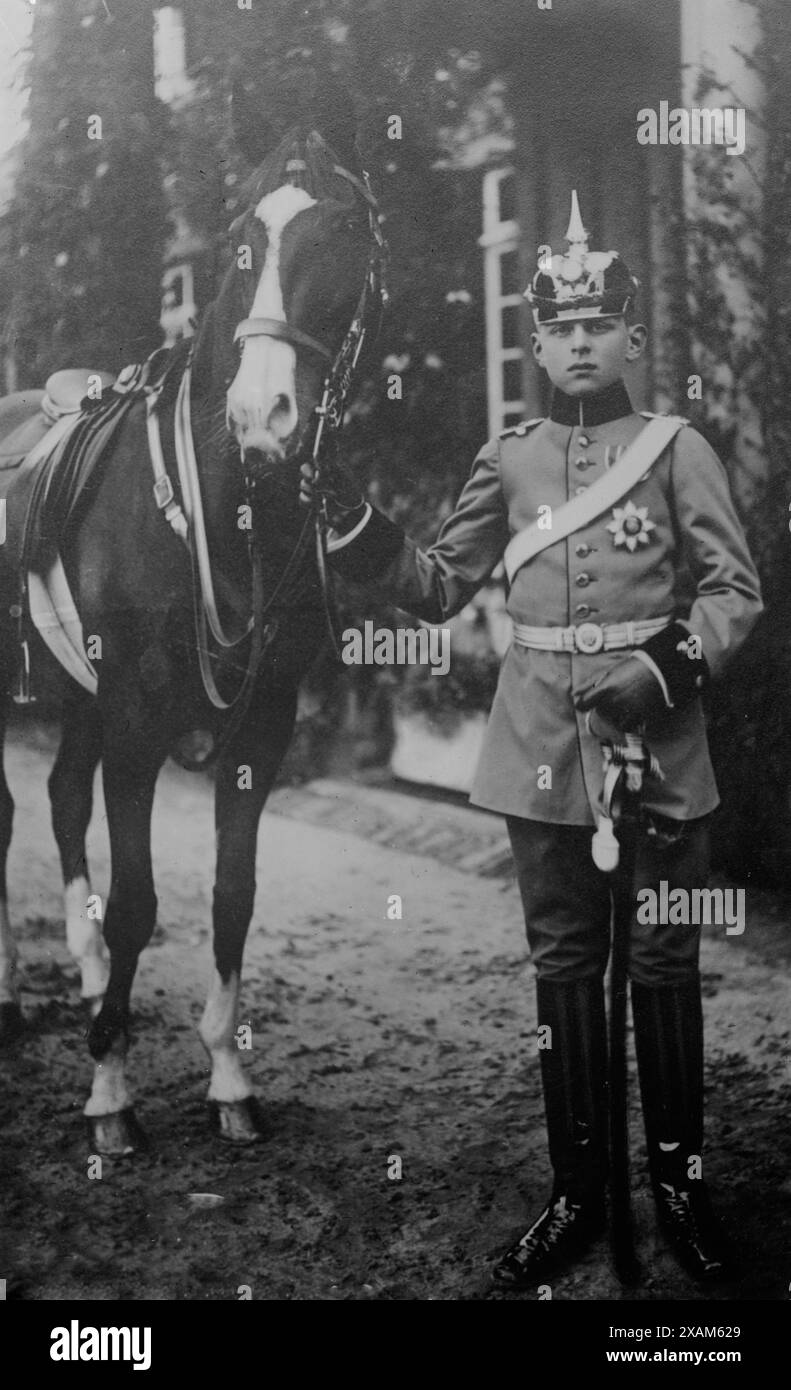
<point x="627" y="695"/>
<point x="345" y="501"/>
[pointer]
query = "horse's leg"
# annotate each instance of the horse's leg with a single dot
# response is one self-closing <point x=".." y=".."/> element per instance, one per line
<point x="71" y="798"/>
<point x="11" y="1023"/>
<point x="245" y="775"/>
<point x="133" y="751"/>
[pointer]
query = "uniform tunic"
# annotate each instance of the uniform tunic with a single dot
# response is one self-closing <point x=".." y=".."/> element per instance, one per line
<point x="694" y="566"/>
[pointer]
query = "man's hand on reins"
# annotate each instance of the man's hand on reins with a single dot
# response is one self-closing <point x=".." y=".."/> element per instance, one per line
<point x="627" y="695"/>
<point x="345" y="502"/>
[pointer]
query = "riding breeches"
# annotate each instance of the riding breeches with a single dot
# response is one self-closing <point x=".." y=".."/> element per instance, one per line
<point x="567" y="900"/>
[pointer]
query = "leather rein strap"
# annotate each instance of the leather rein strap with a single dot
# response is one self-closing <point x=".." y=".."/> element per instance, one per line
<point x="189" y="481"/>
<point x="337" y="383"/>
<point x="188" y="523"/>
<point x="187" y="519"/>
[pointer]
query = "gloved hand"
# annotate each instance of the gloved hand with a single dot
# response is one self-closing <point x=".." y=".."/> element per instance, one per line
<point x="345" y="501"/>
<point x="627" y="695"/>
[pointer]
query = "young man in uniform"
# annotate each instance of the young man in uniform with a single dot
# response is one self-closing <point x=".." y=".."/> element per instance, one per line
<point x="624" y="603"/>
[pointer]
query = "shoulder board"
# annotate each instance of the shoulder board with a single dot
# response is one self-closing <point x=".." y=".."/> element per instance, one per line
<point x="663" y="415"/>
<point x="521" y="429"/>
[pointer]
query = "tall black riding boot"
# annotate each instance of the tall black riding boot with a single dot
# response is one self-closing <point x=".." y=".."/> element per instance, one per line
<point x="574" y="1078"/>
<point x="668" y="1030"/>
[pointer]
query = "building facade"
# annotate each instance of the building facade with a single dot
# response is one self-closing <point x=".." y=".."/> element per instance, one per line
<point x="574" y="95"/>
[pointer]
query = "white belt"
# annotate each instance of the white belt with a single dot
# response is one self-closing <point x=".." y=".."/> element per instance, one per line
<point x="588" y="637"/>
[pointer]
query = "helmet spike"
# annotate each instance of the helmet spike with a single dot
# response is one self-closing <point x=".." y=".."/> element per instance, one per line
<point x="581" y="284"/>
<point x="576" y="234"/>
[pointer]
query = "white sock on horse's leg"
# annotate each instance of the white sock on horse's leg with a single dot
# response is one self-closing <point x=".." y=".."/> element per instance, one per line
<point x="218" y="1035"/>
<point x="9" y="989"/>
<point x="109" y="1093"/>
<point x="84" y="940"/>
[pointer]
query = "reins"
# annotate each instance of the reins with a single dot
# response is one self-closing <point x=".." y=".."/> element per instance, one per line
<point x="187" y="518"/>
<point x="328" y="414"/>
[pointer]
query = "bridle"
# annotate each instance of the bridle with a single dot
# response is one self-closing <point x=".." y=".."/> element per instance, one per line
<point x="187" y="521"/>
<point x="327" y="417"/>
<point x="373" y="286"/>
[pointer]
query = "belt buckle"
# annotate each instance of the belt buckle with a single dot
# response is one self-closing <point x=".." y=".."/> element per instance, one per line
<point x="589" y="638"/>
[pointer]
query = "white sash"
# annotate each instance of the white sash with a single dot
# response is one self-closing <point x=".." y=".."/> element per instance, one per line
<point x="636" y="460"/>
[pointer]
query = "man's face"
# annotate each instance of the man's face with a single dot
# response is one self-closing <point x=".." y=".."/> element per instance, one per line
<point x="582" y="356"/>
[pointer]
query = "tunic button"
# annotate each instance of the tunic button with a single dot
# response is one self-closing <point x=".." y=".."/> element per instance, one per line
<point x="578" y="491"/>
<point x="582" y="550"/>
<point x="582" y="581"/>
<point x="582" y="610"/>
<point x="584" y="440"/>
<point x="582" y="463"/>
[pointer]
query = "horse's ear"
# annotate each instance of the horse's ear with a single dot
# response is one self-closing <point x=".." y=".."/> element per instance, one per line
<point x="255" y="135"/>
<point x="333" y="115"/>
<point x="294" y="97"/>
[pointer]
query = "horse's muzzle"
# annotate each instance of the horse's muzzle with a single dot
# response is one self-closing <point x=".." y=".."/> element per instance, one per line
<point x="258" y="437"/>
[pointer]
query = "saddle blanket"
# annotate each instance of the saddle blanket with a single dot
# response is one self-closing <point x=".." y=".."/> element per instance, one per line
<point x="55" y="617"/>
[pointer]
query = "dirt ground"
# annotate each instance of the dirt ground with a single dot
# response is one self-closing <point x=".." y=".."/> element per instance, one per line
<point x="371" y="1038"/>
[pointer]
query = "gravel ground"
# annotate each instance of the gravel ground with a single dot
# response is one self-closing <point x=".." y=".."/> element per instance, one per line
<point x="372" y="1039"/>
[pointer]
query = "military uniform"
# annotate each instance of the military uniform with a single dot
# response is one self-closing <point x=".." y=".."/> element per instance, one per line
<point x="588" y="578"/>
<point x="671" y="555"/>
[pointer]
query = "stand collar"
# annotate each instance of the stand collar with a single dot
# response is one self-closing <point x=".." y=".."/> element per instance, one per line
<point x="610" y="404"/>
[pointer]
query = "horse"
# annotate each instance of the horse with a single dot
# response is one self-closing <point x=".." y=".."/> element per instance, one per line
<point x="217" y="634"/>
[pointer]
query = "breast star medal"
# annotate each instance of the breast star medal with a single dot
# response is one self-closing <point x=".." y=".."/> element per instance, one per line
<point x="630" y="526"/>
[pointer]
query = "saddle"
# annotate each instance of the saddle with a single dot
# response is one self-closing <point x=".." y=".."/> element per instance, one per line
<point x="27" y="416"/>
<point x="52" y="443"/>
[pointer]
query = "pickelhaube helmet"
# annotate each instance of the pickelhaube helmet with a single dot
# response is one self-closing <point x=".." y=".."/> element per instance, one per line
<point x="581" y="284"/>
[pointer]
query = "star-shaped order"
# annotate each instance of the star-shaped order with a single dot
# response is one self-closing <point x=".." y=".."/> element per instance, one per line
<point x="630" y="526"/>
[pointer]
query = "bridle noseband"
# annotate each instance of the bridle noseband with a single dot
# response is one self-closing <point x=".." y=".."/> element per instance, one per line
<point x="276" y="328"/>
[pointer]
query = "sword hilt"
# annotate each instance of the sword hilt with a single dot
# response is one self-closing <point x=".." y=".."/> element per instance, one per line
<point x="626" y="765"/>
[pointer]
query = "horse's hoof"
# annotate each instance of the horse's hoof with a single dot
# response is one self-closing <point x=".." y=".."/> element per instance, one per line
<point x="116" y="1135"/>
<point x="12" y="1023"/>
<point x="238" y="1121"/>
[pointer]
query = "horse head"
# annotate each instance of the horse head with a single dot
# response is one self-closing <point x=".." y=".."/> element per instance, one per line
<point x="306" y="254"/>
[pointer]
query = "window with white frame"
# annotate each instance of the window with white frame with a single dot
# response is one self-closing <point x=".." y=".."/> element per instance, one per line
<point x="503" y="298"/>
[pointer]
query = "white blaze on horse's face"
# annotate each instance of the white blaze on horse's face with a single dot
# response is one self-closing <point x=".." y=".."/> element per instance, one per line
<point x="262" y="398"/>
